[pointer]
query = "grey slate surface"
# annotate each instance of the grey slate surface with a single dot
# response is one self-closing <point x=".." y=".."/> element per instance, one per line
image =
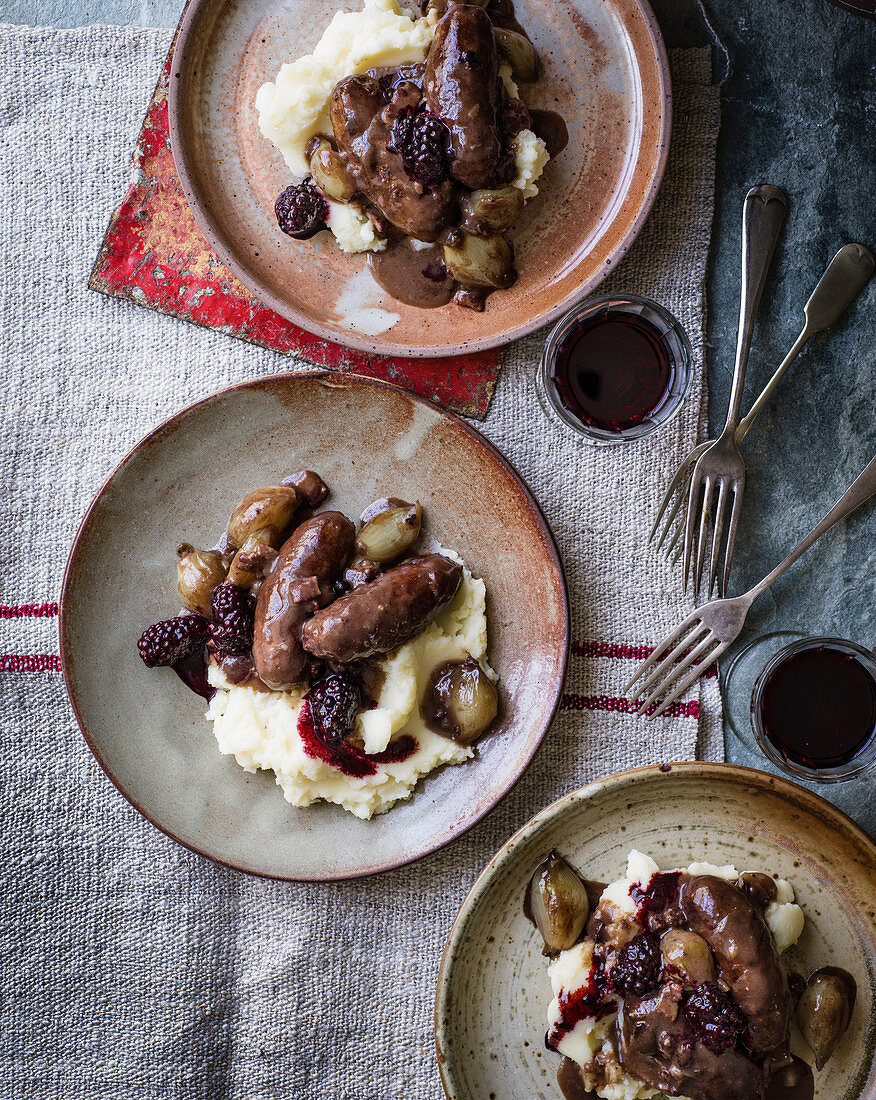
<point x="799" y="110"/>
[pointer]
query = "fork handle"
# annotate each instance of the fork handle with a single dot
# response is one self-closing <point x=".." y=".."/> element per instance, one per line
<point x="846" y="276"/>
<point x="763" y="215"/>
<point x="861" y="489"/>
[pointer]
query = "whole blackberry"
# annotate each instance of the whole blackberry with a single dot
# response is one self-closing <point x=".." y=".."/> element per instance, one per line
<point x="334" y="704"/>
<point x="423" y="142"/>
<point x="301" y="210"/>
<point x="713" y="1017"/>
<point x="637" y="966"/>
<point x="171" y="641"/>
<point x="231" y="628"/>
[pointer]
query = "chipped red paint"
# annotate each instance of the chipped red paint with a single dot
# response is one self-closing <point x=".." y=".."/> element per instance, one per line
<point x="154" y="254"/>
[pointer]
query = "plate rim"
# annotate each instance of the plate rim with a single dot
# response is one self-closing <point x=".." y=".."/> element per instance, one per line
<point x="214" y="236"/>
<point x="719" y="770"/>
<point x="338" y="380"/>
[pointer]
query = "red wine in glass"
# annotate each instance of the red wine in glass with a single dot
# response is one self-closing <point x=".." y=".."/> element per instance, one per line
<point x="818" y="707"/>
<point x="613" y="370"/>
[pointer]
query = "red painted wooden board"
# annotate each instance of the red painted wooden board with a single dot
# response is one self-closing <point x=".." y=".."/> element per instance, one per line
<point x="154" y="254"/>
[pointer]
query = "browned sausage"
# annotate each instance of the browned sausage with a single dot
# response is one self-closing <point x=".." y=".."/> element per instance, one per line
<point x="746" y="955"/>
<point x="320" y="548"/>
<point x="362" y="121"/>
<point x="655" y="1047"/>
<point x="381" y="615"/>
<point x="462" y="89"/>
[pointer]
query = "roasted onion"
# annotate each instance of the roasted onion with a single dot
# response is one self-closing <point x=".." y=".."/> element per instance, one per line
<point x="824" y="1011"/>
<point x="461" y="701"/>
<point x="557" y="903"/>
<point x="689" y="955"/>
<point x="481" y="261"/>
<point x="198" y="572"/>
<point x="271" y="507"/>
<point x="390" y="528"/>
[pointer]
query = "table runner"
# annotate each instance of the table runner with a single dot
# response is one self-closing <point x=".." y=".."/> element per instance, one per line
<point x="134" y="968"/>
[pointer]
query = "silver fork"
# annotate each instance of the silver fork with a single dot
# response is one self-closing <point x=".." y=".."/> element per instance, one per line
<point x="843" y="280"/>
<point x="718" y="478"/>
<point x="690" y="650"/>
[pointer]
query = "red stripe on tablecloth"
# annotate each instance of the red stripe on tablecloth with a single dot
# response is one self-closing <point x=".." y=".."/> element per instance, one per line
<point x="620" y="652"/>
<point x="626" y="706"/>
<point x="50" y="662"/>
<point x="28" y="611"/>
<point x="612" y="649"/>
<point x="30" y="662"/>
<point x="44" y="662"/>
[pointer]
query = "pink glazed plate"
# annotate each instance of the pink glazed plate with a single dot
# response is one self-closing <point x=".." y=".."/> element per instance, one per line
<point x="604" y="68"/>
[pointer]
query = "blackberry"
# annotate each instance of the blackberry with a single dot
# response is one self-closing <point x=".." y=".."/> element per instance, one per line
<point x="423" y="142"/>
<point x="637" y="966"/>
<point x="301" y="210"/>
<point x="173" y="640"/>
<point x="334" y="704"/>
<point x="713" y="1017"/>
<point x="231" y="628"/>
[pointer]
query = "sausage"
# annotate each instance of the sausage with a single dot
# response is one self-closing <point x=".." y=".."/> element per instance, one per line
<point x="462" y="89"/>
<point x="362" y="122"/>
<point x="654" y="1046"/>
<point x="746" y="955"/>
<point x="319" y="548"/>
<point x="381" y="615"/>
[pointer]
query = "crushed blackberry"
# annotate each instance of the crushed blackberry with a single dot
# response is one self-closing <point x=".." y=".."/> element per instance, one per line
<point x="423" y="142"/>
<point x="657" y="904"/>
<point x="713" y="1017"/>
<point x="301" y="210"/>
<point x="334" y="704"/>
<point x="232" y="624"/>
<point x="637" y="967"/>
<point x="591" y="1001"/>
<point x="171" y="641"/>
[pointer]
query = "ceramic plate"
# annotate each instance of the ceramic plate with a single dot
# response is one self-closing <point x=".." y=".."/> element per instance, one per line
<point x="367" y="439"/>
<point x="493" y="989"/>
<point x="605" y="70"/>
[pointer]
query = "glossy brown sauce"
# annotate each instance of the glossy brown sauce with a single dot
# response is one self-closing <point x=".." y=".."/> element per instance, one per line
<point x="418" y="278"/>
<point x="569" y="1080"/>
<point x="551" y="128"/>
<point x="794" y="1082"/>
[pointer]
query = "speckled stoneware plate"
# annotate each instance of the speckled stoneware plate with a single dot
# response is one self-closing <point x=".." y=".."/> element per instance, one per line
<point x="367" y="439"/>
<point x="604" y="69"/>
<point x="493" y="989"/>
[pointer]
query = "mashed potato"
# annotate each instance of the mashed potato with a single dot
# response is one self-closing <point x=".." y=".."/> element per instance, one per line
<point x="353" y="231"/>
<point x="260" y="727"/>
<point x="570" y="970"/>
<point x="295" y="106"/>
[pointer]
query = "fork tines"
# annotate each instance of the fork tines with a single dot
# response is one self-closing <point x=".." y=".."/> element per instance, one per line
<point x="683" y="656"/>
<point x="708" y="501"/>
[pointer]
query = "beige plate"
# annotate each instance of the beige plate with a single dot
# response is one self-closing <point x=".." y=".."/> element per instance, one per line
<point x="605" y="70"/>
<point x="367" y="439"/>
<point x="493" y="989"/>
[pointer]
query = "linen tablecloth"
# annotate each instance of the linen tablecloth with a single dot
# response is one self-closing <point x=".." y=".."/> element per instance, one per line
<point x="133" y="968"/>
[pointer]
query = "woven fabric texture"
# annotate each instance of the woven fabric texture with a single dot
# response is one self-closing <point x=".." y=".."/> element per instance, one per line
<point x="133" y="968"/>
